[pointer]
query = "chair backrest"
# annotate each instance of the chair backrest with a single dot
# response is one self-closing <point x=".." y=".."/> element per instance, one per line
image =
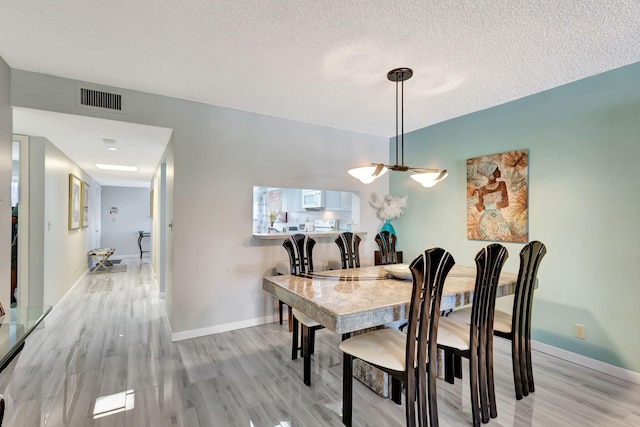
<point x="429" y="272"/>
<point x="387" y="243"/>
<point x="530" y="257"/>
<point x="489" y="263"/>
<point x="349" y="245"/>
<point x="300" y="250"/>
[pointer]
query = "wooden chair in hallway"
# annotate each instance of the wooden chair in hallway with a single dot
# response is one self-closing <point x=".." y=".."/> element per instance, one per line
<point x="409" y="358"/>
<point x="516" y="326"/>
<point x="349" y="246"/>
<point x="474" y="341"/>
<point x="300" y="250"/>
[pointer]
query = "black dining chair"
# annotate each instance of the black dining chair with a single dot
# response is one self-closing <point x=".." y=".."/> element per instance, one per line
<point x="300" y="250"/>
<point x="516" y="326"/>
<point x="387" y="245"/>
<point x="409" y="358"/>
<point x="349" y="244"/>
<point x="474" y="341"/>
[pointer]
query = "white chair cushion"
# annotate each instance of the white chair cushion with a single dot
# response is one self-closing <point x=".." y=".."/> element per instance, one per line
<point x="453" y="333"/>
<point x="501" y="319"/>
<point x="304" y="319"/>
<point x="461" y="314"/>
<point x="382" y="347"/>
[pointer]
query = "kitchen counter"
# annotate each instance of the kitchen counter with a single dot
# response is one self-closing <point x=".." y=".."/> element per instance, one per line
<point x="315" y="234"/>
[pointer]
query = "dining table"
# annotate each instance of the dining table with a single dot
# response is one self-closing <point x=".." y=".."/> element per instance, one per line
<point x="351" y="300"/>
<point x="354" y="299"/>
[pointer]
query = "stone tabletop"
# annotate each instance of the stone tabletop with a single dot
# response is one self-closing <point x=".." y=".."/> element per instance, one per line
<point x="354" y="299"/>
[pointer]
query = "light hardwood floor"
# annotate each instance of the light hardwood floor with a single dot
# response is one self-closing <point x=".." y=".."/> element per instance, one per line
<point x="109" y="337"/>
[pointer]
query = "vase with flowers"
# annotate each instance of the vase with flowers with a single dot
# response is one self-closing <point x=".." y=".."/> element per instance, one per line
<point x="272" y="217"/>
<point x="388" y="208"/>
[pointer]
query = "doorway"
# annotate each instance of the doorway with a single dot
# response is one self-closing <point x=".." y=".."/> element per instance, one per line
<point x="19" y="223"/>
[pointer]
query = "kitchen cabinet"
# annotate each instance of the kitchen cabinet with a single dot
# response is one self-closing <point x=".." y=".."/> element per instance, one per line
<point x="295" y="200"/>
<point x="338" y="201"/>
<point x="345" y="201"/>
<point x="332" y="200"/>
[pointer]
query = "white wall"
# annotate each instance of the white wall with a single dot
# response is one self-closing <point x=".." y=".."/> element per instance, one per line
<point x="583" y="204"/>
<point x="120" y="230"/>
<point x="5" y="183"/>
<point x="65" y="251"/>
<point x="218" y="155"/>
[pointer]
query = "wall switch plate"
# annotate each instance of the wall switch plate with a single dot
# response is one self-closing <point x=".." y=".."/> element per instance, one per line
<point x="580" y="331"/>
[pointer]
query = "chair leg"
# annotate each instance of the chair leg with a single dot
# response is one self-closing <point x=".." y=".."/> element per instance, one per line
<point x="290" y="318"/>
<point x="280" y="304"/>
<point x="412" y="403"/>
<point x="306" y="355"/>
<point x="473" y="387"/>
<point x="457" y="366"/>
<point x="396" y="391"/>
<point x="527" y="358"/>
<point x="483" y="384"/>
<point x="518" y="381"/>
<point x="448" y="359"/>
<point x="294" y="340"/>
<point x="347" y="389"/>
<point x="493" y="407"/>
<point x="432" y="395"/>
<point x="312" y="340"/>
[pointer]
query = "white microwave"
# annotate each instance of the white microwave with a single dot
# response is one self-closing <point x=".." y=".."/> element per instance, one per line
<point x="313" y="199"/>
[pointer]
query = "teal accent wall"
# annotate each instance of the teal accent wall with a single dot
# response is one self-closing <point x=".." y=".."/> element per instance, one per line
<point x="584" y="204"/>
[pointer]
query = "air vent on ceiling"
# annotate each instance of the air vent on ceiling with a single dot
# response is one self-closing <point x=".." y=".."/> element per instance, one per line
<point x="99" y="99"/>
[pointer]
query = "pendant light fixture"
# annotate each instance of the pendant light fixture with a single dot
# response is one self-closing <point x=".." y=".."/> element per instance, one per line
<point x="369" y="173"/>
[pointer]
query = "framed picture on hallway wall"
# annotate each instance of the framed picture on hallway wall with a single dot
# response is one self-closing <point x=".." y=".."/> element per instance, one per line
<point x="75" y="196"/>
<point x="85" y="204"/>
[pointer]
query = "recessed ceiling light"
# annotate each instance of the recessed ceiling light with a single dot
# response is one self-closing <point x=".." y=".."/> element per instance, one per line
<point x="109" y="141"/>
<point x="112" y="149"/>
<point x="117" y="167"/>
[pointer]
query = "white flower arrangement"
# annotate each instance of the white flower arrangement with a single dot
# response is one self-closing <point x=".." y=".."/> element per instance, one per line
<point x="388" y="207"/>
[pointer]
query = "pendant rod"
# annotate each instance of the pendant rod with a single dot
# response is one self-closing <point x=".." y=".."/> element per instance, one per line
<point x="402" y="120"/>
<point x="396" y="121"/>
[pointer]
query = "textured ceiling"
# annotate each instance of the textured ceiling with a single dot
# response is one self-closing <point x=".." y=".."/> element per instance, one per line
<point x="325" y="62"/>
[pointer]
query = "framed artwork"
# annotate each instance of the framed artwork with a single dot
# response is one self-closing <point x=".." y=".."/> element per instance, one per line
<point x="85" y="204"/>
<point x="75" y="197"/>
<point x="497" y="197"/>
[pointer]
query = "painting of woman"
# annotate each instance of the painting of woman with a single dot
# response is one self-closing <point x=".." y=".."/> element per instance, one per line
<point x="491" y="198"/>
<point x="497" y="202"/>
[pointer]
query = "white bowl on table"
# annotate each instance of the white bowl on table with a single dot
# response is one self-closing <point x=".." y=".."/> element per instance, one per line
<point x="399" y="271"/>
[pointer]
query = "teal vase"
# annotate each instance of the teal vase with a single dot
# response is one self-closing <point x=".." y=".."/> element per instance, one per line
<point x="388" y="227"/>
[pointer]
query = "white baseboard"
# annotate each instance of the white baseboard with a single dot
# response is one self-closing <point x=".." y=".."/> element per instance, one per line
<point x="195" y="333"/>
<point x="57" y="303"/>
<point x="125" y="256"/>
<point x="596" y="365"/>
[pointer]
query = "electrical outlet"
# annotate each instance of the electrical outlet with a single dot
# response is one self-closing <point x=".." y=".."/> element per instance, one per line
<point x="580" y="331"/>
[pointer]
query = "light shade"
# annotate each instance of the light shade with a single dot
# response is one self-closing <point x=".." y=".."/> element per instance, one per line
<point x="367" y="174"/>
<point x="429" y="179"/>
